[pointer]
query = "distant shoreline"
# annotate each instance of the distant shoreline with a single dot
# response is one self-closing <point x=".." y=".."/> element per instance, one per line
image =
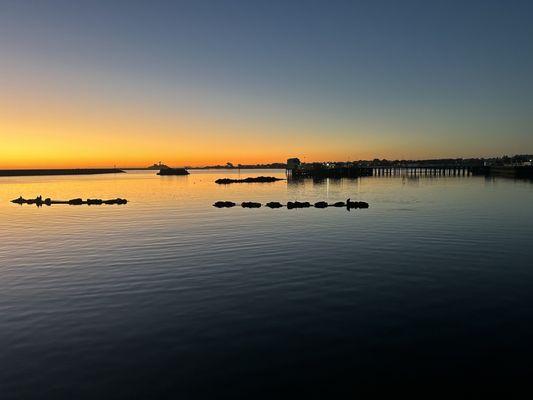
<point x="74" y="171"/>
<point x="208" y="167"/>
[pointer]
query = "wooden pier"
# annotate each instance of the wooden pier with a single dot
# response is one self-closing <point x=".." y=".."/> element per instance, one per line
<point x="424" y="170"/>
<point x="296" y="170"/>
<point x="360" y="171"/>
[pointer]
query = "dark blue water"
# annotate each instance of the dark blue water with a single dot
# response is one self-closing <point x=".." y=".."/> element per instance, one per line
<point x="168" y="297"/>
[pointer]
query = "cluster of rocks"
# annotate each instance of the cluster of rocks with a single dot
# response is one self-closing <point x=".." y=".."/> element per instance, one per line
<point x="259" y="179"/>
<point x="39" y="201"/>
<point x="294" y="204"/>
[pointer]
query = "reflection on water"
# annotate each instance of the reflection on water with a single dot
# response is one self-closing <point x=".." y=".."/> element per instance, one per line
<point x="168" y="296"/>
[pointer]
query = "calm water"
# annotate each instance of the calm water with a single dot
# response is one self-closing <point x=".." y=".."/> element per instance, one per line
<point x="170" y="297"/>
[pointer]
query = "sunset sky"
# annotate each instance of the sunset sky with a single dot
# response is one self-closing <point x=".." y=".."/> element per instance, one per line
<point x="127" y="83"/>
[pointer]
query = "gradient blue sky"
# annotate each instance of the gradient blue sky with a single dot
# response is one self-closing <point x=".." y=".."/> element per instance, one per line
<point x="209" y="81"/>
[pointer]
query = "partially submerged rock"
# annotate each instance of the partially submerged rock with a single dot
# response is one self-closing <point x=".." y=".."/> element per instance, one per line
<point x="274" y="204"/>
<point x="295" y="204"/>
<point x="259" y="179"/>
<point x="19" y="200"/>
<point x="356" y="204"/>
<point x="298" y="204"/>
<point x="94" y="201"/>
<point x="173" y="171"/>
<point x="250" y="204"/>
<point x="116" y="201"/>
<point x="224" y="204"/>
<point x="38" y="201"/>
<point x="75" y="202"/>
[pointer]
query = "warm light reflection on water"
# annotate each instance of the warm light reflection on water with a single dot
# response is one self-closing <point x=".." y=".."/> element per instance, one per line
<point x="173" y="290"/>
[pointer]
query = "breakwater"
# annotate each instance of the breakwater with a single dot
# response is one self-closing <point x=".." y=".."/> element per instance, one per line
<point x="39" y="201"/>
<point x="77" y="171"/>
<point x="348" y="204"/>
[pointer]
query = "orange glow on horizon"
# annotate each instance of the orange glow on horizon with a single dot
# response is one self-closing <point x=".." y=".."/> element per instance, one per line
<point x="49" y="131"/>
<point x="52" y="133"/>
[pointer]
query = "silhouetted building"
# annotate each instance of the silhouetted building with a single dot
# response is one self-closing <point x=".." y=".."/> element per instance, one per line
<point x="293" y="163"/>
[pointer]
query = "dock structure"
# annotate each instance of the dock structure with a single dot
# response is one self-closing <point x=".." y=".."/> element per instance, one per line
<point x="356" y="171"/>
<point x="424" y="170"/>
<point x="332" y="172"/>
<point x="296" y="169"/>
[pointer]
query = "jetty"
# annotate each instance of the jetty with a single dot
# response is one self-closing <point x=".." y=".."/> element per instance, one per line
<point x="77" y="171"/>
<point x="39" y="201"/>
<point x="259" y="179"/>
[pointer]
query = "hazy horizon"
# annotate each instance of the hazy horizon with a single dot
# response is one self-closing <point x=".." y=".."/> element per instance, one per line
<point x="223" y="163"/>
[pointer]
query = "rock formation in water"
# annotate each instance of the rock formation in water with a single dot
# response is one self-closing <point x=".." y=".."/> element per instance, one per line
<point x="224" y="204"/>
<point x="173" y="171"/>
<point x="259" y="179"/>
<point x="38" y="201"/>
<point x="274" y="204"/>
<point x="298" y="204"/>
<point x="250" y="204"/>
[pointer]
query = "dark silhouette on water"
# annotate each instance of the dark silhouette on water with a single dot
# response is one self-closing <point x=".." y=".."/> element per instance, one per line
<point x="77" y="171"/>
<point x="294" y="204"/>
<point x="224" y="204"/>
<point x="355" y="204"/>
<point x="259" y="179"/>
<point x="250" y="204"/>
<point x="298" y="204"/>
<point x="274" y="204"/>
<point x="94" y="201"/>
<point x="173" y="171"/>
<point x="38" y="201"/>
